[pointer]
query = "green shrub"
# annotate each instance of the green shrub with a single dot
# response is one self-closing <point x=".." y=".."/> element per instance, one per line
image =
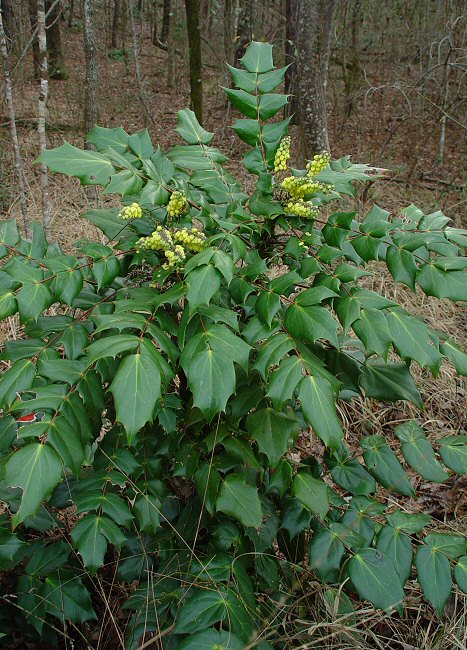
<point x="148" y="417"/>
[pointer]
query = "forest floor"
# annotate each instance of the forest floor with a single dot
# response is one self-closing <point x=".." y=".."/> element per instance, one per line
<point x="378" y="132"/>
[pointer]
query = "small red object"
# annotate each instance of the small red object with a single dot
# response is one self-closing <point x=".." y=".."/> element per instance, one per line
<point x="32" y="417"/>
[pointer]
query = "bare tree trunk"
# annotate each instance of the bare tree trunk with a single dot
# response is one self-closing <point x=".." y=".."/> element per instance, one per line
<point x="194" y="44"/>
<point x="14" y="134"/>
<point x="8" y="22"/>
<point x="244" y="27"/>
<point x="291" y="21"/>
<point x="139" y="83"/>
<point x="171" y="56"/>
<point x="56" y="61"/>
<point x="315" y="24"/>
<point x="35" y="42"/>
<point x="228" y="32"/>
<point x="115" y="21"/>
<point x="165" y="21"/>
<point x="91" y="96"/>
<point x="71" y="13"/>
<point x="42" y="104"/>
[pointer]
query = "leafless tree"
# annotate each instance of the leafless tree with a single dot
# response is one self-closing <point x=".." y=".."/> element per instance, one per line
<point x="91" y="91"/>
<point x="12" y="119"/>
<point x="42" y="105"/>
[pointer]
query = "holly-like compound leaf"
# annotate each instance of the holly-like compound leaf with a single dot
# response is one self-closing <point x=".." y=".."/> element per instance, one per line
<point x="326" y="552"/>
<point x="258" y="57"/>
<point x="211" y="640"/>
<point x="384" y="465"/>
<point x="418" y="452"/>
<point x="376" y="579"/>
<point x="452" y="546"/>
<point x="67" y="598"/>
<point x="396" y="546"/>
<point x="434" y="576"/>
<point x="391" y="381"/>
<point x="239" y="500"/>
<point x="18" y="378"/>
<point x="190" y="129"/>
<point x="203" y="282"/>
<point x="318" y="406"/>
<point x="91" y="167"/>
<point x="453" y="451"/>
<point x="211" y="377"/>
<point x="90" y="537"/>
<point x="36" y="469"/>
<point x="284" y="380"/>
<point x="456" y="356"/>
<point x="68" y="280"/>
<point x="147" y="510"/>
<point x="310" y="323"/>
<point x="312" y="492"/>
<point x="411" y="340"/>
<point x="272" y="431"/>
<point x="460" y="573"/>
<point x="136" y="389"/>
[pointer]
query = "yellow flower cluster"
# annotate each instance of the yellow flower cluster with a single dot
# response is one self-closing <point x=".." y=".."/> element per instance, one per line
<point x="174" y="257"/>
<point x="132" y="211"/>
<point x="159" y="240"/>
<point x="177" y="204"/>
<point x="320" y="161"/>
<point x="174" y="243"/>
<point x="301" y="208"/>
<point x="297" y="187"/>
<point x="282" y="155"/>
<point x="192" y="240"/>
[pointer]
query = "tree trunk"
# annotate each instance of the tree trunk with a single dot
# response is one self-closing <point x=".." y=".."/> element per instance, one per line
<point x="194" y="44"/>
<point x="12" y="119"/>
<point x="42" y="105"/>
<point x="228" y="33"/>
<point x="244" y="27"/>
<point x="115" y="21"/>
<point x="70" y="13"/>
<point x="165" y="21"/>
<point x="8" y="22"/>
<point x="35" y="42"/>
<point x="56" y="61"/>
<point x="91" y="95"/>
<point x="314" y="27"/>
<point x="291" y="20"/>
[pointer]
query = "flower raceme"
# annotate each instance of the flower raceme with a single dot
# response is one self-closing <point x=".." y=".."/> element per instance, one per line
<point x="301" y="208"/>
<point x="132" y="211"/>
<point x="177" y="204"/>
<point x="282" y="155"/>
<point x="318" y="164"/>
<point x="175" y="243"/>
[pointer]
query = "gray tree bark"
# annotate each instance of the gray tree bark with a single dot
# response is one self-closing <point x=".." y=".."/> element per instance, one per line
<point x="14" y="134"/>
<point x="8" y="22"/>
<point x="194" y="45"/>
<point x="314" y="33"/>
<point x="244" y="27"/>
<point x="91" y="93"/>
<point x="115" y="22"/>
<point x="57" y="68"/>
<point x="42" y="105"/>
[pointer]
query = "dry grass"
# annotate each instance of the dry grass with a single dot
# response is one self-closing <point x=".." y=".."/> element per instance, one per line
<point x="310" y="622"/>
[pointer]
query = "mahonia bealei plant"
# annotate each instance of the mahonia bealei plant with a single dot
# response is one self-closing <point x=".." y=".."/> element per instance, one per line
<point x="150" y="419"/>
<point x="282" y="155"/>
<point x="132" y="211"/>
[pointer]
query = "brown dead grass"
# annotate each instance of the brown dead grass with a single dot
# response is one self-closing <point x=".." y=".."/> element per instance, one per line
<point x="310" y="623"/>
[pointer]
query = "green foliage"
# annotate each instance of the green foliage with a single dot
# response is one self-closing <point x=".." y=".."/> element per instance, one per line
<point x="164" y="398"/>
